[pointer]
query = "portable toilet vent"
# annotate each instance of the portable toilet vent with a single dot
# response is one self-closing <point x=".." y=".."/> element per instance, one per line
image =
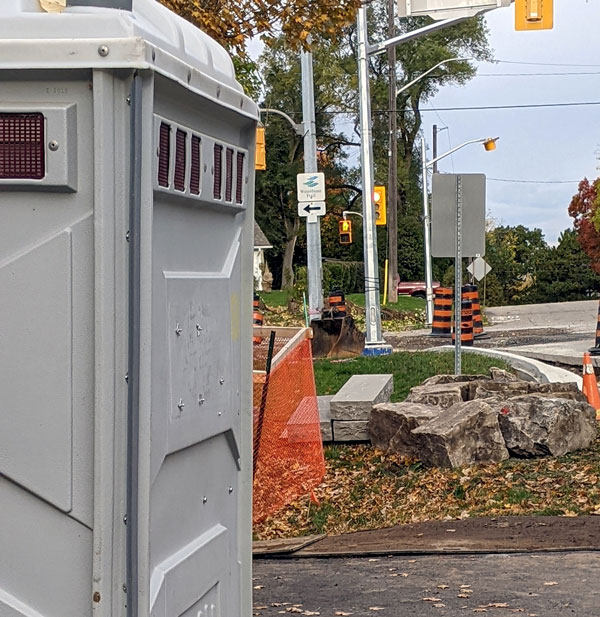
<point x="126" y="240"/>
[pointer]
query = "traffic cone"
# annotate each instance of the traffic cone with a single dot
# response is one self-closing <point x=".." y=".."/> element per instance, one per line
<point x="590" y="385"/>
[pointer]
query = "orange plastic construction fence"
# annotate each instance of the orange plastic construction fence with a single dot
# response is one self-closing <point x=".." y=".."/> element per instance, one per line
<point x="289" y="459"/>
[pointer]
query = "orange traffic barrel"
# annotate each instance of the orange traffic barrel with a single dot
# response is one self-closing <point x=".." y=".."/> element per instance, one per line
<point x="595" y="350"/>
<point x="442" y="312"/>
<point x="466" y="324"/>
<point x="472" y="293"/>
<point x="256" y="302"/>
<point x="257" y="320"/>
<point x="337" y="304"/>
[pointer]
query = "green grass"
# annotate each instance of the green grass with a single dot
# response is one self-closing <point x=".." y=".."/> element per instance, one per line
<point x="274" y="298"/>
<point x="405" y="303"/>
<point x="409" y="369"/>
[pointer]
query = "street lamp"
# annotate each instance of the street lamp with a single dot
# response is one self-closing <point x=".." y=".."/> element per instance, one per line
<point x="489" y="143"/>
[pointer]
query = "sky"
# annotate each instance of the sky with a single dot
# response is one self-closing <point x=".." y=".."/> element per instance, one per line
<point x="546" y="144"/>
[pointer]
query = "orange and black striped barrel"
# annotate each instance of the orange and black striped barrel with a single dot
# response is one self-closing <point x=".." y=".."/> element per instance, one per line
<point x="256" y="302"/>
<point x="466" y="324"/>
<point x="472" y="293"/>
<point x="595" y="350"/>
<point x="257" y="320"/>
<point x="442" y="312"/>
<point x="337" y="304"/>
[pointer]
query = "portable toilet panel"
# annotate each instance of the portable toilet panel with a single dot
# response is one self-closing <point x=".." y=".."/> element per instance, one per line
<point x="126" y="237"/>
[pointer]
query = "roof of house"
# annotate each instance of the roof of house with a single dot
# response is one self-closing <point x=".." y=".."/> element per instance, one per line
<point x="260" y="240"/>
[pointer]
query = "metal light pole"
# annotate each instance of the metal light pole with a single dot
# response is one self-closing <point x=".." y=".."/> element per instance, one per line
<point x="374" y="343"/>
<point x="489" y="144"/>
<point x="313" y="228"/>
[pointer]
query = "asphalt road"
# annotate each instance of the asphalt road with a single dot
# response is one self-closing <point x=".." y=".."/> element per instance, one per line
<point x="500" y="585"/>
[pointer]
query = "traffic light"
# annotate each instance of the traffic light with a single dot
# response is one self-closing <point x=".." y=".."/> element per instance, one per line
<point x="261" y="150"/>
<point x="534" y="15"/>
<point x="345" y="231"/>
<point x="380" y="205"/>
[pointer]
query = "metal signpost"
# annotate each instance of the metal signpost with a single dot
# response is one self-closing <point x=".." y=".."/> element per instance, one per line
<point x="458" y="201"/>
<point x="313" y="226"/>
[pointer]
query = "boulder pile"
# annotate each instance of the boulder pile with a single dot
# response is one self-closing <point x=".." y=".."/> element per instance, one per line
<point x="452" y="421"/>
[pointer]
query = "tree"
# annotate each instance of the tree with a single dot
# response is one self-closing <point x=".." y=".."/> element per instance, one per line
<point x="564" y="273"/>
<point x="514" y="253"/>
<point x="276" y="200"/>
<point x="234" y="22"/>
<point x="584" y="208"/>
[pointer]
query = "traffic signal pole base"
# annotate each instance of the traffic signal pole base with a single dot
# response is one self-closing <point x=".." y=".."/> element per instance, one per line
<point x="377" y="349"/>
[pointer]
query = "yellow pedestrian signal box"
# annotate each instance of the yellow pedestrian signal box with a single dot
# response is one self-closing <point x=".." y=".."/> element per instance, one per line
<point x="261" y="149"/>
<point x="380" y="205"/>
<point x="534" y="14"/>
<point x="345" y="230"/>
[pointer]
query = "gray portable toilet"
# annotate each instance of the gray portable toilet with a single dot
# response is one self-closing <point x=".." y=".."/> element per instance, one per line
<point x="126" y="237"/>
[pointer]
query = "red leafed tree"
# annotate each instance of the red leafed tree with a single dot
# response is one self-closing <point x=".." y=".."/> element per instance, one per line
<point x="585" y="209"/>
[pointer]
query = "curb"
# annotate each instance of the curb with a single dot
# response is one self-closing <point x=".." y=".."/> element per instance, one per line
<point x="526" y="368"/>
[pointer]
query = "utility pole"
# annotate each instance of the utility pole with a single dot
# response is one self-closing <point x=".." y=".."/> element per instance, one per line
<point x="435" y="149"/>
<point x="374" y="343"/>
<point x="392" y="201"/>
<point x="313" y="228"/>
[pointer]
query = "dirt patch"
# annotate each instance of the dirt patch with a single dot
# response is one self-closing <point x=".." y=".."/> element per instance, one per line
<point x="496" y="339"/>
<point x="502" y="534"/>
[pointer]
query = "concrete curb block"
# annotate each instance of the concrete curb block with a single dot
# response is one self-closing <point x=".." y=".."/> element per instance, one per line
<point x="526" y="368"/>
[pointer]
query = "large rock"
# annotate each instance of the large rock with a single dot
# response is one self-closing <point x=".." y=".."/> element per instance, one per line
<point x="391" y="425"/>
<point x="568" y="390"/>
<point x="499" y="374"/>
<point x="438" y="380"/>
<point x="442" y="395"/>
<point x="494" y="389"/>
<point x="357" y="396"/>
<point x="536" y="425"/>
<point x="465" y="434"/>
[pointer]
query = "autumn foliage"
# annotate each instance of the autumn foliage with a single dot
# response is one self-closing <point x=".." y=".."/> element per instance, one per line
<point x="585" y="209"/>
<point x="233" y="22"/>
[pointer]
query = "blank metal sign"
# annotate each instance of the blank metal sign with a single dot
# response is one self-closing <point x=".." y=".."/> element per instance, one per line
<point x="443" y="214"/>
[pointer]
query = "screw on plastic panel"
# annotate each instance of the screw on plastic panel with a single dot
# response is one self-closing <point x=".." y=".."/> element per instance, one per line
<point x="198" y="329"/>
<point x="181" y="404"/>
<point x="154" y="54"/>
<point x="125" y="588"/>
<point x="103" y="50"/>
<point x="128" y="236"/>
<point x="189" y="76"/>
<point x="200" y="399"/>
<point x="204" y="499"/>
<point x="218" y="92"/>
<point x="53" y="145"/>
<point x="125" y="519"/>
<point x="220" y="413"/>
<point x="230" y="490"/>
<point x="178" y="330"/>
<point x="96" y="596"/>
<point x="222" y="380"/>
<point x="126" y="377"/>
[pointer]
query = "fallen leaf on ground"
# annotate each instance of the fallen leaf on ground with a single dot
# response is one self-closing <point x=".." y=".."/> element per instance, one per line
<point x="342" y="614"/>
<point x="431" y="599"/>
<point x="259" y="586"/>
<point x="463" y="595"/>
<point x="550" y="583"/>
<point x="443" y="586"/>
<point x="376" y="608"/>
<point x="440" y="605"/>
<point x="311" y="613"/>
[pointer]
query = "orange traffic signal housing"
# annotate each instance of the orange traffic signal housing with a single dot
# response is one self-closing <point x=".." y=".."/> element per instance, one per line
<point x="345" y="231"/>
<point x="261" y="150"/>
<point x="534" y="14"/>
<point x="380" y="205"/>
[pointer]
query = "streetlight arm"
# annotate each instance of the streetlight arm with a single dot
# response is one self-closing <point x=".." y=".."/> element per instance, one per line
<point x="416" y="79"/>
<point x="299" y="128"/>
<point x="441" y="156"/>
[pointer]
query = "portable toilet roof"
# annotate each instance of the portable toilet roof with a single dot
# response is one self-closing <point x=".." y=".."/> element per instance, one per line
<point x="149" y="36"/>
